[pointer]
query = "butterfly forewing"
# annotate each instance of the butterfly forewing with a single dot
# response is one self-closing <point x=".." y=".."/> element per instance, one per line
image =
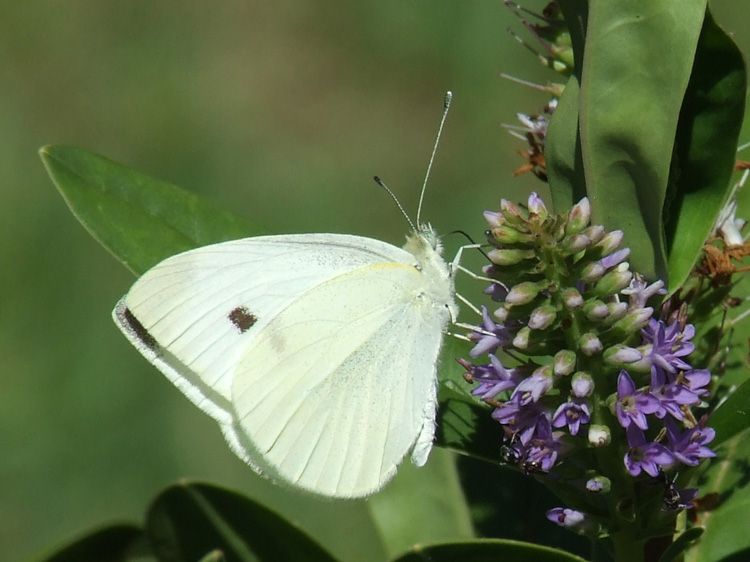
<point x="194" y="314"/>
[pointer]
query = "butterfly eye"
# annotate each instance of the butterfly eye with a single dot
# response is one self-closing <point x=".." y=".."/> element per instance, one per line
<point x="242" y="319"/>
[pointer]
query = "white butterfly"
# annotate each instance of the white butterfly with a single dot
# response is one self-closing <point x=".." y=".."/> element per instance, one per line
<point x="316" y="353"/>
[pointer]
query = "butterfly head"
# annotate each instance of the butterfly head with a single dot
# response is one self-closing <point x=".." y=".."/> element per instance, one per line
<point x="423" y="241"/>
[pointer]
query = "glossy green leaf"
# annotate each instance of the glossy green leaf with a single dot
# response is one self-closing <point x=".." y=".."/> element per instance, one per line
<point x="636" y="67"/>
<point x="705" y="151"/>
<point x="562" y="151"/>
<point x="140" y="220"/>
<point x="422" y="505"/>
<point x="486" y="551"/>
<point x="562" y="147"/>
<point x="189" y="521"/>
<point x="116" y="543"/>
<point x="727" y="485"/>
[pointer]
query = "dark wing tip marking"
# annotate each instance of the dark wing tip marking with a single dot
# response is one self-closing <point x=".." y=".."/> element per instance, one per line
<point x="139" y="330"/>
<point x="242" y="319"/>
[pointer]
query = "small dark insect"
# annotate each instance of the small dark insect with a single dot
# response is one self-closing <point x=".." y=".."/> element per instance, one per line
<point x="242" y="318"/>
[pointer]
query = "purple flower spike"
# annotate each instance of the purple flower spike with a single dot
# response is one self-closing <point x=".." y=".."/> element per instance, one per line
<point x="645" y="456"/>
<point x="690" y="447"/>
<point x="632" y="405"/>
<point x="572" y="414"/>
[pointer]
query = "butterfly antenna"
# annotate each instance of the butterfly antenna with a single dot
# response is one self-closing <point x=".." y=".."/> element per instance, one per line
<point x="446" y="107"/>
<point x="381" y="183"/>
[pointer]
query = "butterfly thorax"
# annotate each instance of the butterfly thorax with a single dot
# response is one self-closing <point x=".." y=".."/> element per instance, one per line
<point x="427" y="250"/>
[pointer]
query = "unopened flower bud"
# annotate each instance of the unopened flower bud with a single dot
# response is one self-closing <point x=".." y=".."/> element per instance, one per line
<point x="595" y="232"/>
<point x="599" y="485"/>
<point x="610" y="242"/>
<point x="634" y="320"/>
<point x="572" y="298"/>
<point x="564" y="362"/>
<point x="582" y="385"/>
<point x="616" y="258"/>
<point x="593" y="271"/>
<point x="509" y="256"/>
<point x="616" y="310"/>
<point x="536" y="206"/>
<point x="522" y="293"/>
<point x="509" y="209"/>
<point x="501" y="314"/>
<point x="505" y="234"/>
<point x="576" y="243"/>
<point x="595" y="310"/>
<point x="621" y="355"/>
<point x="590" y="344"/>
<point x="579" y="217"/>
<point x="599" y="435"/>
<point x="542" y="317"/>
<point x="521" y="341"/>
<point x="613" y="281"/>
<point x="493" y="219"/>
<point x="571" y="519"/>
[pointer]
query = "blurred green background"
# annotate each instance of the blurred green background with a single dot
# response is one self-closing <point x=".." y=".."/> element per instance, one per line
<point x="280" y="111"/>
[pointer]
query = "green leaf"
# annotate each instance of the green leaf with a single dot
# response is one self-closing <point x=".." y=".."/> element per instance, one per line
<point x="733" y="416"/>
<point x="562" y="151"/>
<point x="636" y="67"/>
<point x="682" y="543"/>
<point x="463" y="422"/>
<point x="140" y="220"/>
<point x="562" y="147"/>
<point x="116" y="543"/>
<point x="486" y="551"/>
<point x="422" y="505"/>
<point x="706" y="144"/>
<point x="726" y="482"/>
<point x="189" y="521"/>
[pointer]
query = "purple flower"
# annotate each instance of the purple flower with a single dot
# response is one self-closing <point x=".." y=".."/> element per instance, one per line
<point x="573" y="414"/>
<point x="532" y="388"/>
<point x="690" y="447"/>
<point x="645" y="456"/>
<point x="632" y="405"/>
<point x="493" y="378"/>
<point x="639" y="292"/>
<point x="686" y="390"/>
<point x="543" y="449"/>
<point x="668" y="344"/>
<point x="489" y="337"/>
<point x="521" y="420"/>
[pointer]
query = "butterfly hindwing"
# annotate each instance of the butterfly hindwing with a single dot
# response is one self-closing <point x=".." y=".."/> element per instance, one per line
<point x="336" y="389"/>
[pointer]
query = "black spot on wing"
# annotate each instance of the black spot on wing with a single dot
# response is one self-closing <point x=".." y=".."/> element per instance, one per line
<point x="242" y="319"/>
<point x="139" y="330"/>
